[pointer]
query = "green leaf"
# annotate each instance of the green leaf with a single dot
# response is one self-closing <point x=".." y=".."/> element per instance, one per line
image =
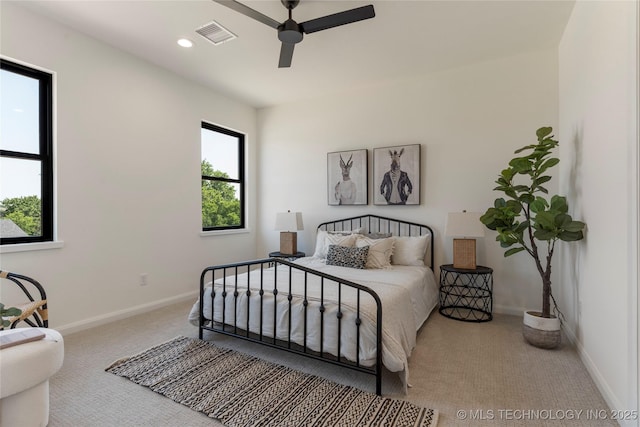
<point x="540" y="199"/>
<point x="575" y="226"/>
<point x="549" y="163"/>
<point x="543" y="132"/>
<point x="507" y="240"/>
<point x="508" y="174"/>
<point x="526" y="198"/>
<point x="511" y="193"/>
<point x="521" y="188"/>
<point x="520" y="165"/>
<point x="514" y="206"/>
<point x="540" y="180"/>
<point x="513" y="251"/>
<point x="522" y="227"/>
<point x="12" y="311"/>
<point x="546" y="220"/>
<point x="559" y="204"/>
<point x="502" y="182"/>
<point x="538" y="205"/>
<point x="544" y="235"/>
<point x="489" y="219"/>
<point x="9" y="312"/>
<point x="562" y="220"/>
<point x="528" y="147"/>
<point x="570" y="236"/>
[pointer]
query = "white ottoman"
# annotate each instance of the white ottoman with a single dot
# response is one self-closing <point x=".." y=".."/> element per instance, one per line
<point x="24" y="379"/>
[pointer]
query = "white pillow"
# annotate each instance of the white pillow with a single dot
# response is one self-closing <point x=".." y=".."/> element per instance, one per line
<point x="324" y="240"/>
<point x="410" y="250"/>
<point x="380" y="251"/>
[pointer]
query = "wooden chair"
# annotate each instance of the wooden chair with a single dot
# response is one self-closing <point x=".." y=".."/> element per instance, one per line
<point x="34" y="312"/>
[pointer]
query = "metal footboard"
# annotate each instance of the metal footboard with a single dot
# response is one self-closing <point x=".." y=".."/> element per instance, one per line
<point x="227" y="277"/>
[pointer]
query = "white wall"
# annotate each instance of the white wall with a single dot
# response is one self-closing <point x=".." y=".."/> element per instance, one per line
<point x="599" y="120"/>
<point x="468" y="121"/>
<point x="128" y="176"/>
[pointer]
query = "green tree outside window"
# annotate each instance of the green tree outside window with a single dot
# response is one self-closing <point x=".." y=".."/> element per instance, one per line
<point x="25" y="212"/>
<point x="220" y="206"/>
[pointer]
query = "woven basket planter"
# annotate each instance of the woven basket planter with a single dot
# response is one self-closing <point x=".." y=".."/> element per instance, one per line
<point x="542" y="332"/>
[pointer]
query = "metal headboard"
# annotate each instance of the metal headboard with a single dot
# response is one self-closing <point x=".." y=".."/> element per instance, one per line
<point x="380" y="224"/>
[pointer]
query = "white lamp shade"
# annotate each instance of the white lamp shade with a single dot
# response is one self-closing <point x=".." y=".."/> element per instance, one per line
<point x="464" y="224"/>
<point x="289" y="221"/>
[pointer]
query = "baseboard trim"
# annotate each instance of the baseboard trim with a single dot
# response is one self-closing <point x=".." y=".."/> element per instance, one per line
<point x="92" y="322"/>
<point x="607" y="394"/>
<point x="504" y="309"/>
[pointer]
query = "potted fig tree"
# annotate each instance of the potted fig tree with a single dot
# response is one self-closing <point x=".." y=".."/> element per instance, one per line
<point x="528" y="220"/>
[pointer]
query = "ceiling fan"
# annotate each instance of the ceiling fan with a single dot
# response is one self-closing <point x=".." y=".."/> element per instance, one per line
<point x="290" y="32"/>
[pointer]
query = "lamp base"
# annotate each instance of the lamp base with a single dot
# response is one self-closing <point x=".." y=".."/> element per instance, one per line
<point x="288" y="242"/>
<point x="464" y="254"/>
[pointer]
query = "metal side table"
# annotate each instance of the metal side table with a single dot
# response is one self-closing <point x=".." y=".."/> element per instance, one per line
<point x="466" y="294"/>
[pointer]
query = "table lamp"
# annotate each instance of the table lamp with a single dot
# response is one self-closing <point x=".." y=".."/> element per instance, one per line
<point x="289" y="223"/>
<point x="464" y="225"/>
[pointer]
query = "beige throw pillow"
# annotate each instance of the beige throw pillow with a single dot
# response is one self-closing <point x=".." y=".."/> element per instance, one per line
<point x="380" y="251"/>
<point x="324" y="240"/>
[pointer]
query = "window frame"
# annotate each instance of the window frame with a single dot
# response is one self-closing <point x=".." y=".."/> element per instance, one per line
<point x="45" y="155"/>
<point x="240" y="180"/>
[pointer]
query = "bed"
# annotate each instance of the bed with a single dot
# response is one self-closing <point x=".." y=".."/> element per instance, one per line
<point x="357" y="302"/>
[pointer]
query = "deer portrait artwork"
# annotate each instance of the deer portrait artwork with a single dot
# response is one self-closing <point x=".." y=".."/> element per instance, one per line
<point x="396" y="185"/>
<point x="346" y="189"/>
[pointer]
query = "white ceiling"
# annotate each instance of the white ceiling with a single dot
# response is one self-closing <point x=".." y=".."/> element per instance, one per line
<point x="406" y="38"/>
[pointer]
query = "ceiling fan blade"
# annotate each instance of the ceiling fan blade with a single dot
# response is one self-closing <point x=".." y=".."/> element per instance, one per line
<point x="286" y="54"/>
<point x="251" y="13"/>
<point x="337" y="19"/>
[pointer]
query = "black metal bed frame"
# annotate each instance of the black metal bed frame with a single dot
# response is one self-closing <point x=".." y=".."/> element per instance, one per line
<point x="373" y="224"/>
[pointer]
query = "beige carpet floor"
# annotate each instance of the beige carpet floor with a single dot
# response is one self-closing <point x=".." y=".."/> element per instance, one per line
<point x="473" y="374"/>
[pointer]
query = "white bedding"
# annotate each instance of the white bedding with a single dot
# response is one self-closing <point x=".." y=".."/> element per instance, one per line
<point x="398" y="287"/>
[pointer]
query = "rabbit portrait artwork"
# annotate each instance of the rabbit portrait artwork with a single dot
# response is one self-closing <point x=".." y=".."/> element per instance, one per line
<point x="347" y="178"/>
<point x="346" y="189"/>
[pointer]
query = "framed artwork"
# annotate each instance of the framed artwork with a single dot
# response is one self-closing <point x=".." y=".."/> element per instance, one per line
<point x="396" y="175"/>
<point x="347" y="177"/>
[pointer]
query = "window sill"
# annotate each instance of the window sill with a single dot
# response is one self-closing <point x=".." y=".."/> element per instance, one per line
<point x="223" y="232"/>
<point x="25" y="247"/>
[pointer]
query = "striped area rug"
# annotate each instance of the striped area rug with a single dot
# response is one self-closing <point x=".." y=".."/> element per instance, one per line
<point x="242" y="390"/>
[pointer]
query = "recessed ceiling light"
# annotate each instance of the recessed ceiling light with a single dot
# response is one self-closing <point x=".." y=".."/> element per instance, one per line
<point x="185" y="42"/>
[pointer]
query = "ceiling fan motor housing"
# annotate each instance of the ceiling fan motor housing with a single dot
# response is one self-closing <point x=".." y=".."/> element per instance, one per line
<point x="290" y="32"/>
<point x="290" y="4"/>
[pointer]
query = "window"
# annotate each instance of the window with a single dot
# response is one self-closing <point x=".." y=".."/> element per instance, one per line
<point x="222" y="166"/>
<point x="26" y="160"/>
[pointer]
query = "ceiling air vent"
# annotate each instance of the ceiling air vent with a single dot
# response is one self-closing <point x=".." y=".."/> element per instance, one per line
<point x="215" y="33"/>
